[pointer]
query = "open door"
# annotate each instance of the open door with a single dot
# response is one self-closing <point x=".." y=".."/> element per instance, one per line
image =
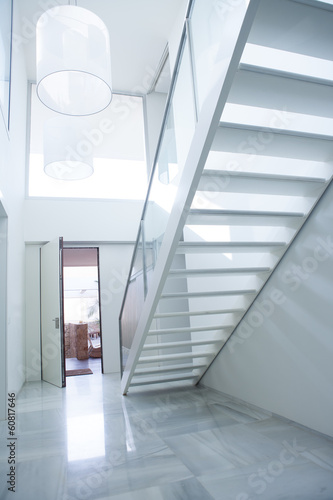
<point x="52" y="323"/>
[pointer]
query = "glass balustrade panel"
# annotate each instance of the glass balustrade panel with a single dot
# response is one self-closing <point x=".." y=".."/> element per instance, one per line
<point x="208" y="26"/>
<point x="132" y="303"/>
<point x="176" y="140"/>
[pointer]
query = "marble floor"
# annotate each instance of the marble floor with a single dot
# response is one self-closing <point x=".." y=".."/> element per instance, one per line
<point x="89" y="442"/>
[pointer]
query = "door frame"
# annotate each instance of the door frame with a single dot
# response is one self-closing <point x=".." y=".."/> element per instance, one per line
<point x="100" y="309"/>
<point x="89" y="247"/>
<point x="62" y="312"/>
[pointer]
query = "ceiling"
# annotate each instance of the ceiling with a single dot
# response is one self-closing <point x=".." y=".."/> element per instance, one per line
<point x="139" y="31"/>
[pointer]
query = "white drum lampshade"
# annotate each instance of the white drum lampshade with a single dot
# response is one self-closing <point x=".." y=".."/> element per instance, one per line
<point x="68" y="155"/>
<point x="73" y="61"/>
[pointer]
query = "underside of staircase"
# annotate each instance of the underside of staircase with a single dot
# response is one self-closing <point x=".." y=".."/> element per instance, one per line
<point x="267" y="163"/>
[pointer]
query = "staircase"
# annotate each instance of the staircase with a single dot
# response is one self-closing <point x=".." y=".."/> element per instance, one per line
<point x="269" y="161"/>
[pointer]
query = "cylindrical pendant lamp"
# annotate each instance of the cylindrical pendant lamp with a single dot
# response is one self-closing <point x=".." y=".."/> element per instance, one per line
<point x="73" y="61"/>
<point x="68" y="155"/>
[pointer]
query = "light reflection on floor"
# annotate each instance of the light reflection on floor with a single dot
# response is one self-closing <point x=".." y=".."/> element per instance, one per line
<point x="85" y="437"/>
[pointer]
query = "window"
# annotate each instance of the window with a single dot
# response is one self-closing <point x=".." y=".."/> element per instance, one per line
<point x="116" y="136"/>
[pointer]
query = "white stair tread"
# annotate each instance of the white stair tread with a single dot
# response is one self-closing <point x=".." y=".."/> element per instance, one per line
<point x="244" y="218"/>
<point x="282" y="146"/>
<point x="266" y="165"/>
<point x="197" y="313"/>
<point x="161" y="380"/>
<point x="250" y="213"/>
<point x="290" y="64"/>
<point x="175" y="273"/>
<point x="263" y="175"/>
<point x="172" y="357"/>
<point x="255" y="184"/>
<point x="181" y="343"/>
<point x="272" y="120"/>
<point x="185" y="295"/>
<point x="188" y="329"/>
<point x="274" y="91"/>
<point x="322" y="4"/>
<point x="164" y="369"/>
<point x="255" y="202"/>
<point x="229" y="246"/>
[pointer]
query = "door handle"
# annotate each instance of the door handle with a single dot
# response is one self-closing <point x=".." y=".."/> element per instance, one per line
<point x="56" y="320"/>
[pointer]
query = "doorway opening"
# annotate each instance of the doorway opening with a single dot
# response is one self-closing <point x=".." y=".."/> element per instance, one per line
<point x="82" y="313"/>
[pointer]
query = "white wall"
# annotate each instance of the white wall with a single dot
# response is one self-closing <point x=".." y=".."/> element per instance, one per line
<point x="3" y="319"/>
<point x="32" y="313"/>
<point x="12" y="184"/>
<point x="81" y="220"/>
<point x="280" y="357"/>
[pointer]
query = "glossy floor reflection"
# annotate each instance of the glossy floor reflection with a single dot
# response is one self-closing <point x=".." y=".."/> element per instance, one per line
<point x="88" y="442"/>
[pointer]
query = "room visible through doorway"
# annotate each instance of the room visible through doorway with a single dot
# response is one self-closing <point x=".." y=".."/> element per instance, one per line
<point x="82" y="316"/>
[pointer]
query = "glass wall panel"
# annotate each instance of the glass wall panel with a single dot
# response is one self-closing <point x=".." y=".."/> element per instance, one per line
<point x="208" y="28"/>
<point x="132" y="303"/>
<point x="176" y="139"/>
